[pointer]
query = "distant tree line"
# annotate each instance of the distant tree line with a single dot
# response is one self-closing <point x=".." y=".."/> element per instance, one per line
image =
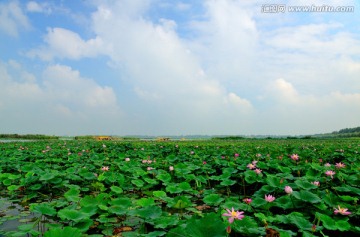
<point x="228" y="138"/>
<point x="27" y="136"/>
<point x="348" y="130"/>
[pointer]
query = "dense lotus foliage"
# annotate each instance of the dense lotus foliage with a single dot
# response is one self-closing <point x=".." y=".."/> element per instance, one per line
<point x="181" y="188"/>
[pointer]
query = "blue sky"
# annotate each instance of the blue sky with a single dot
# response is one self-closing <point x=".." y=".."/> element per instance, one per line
<point x="168" y="67"/>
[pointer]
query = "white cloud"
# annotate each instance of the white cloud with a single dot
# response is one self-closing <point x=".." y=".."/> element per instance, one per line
<point x="66" y="85"/>
<point x="33" y="6"/>
<point x="182" y="6"/>
<point x="12" y="18"/>
<point x="288" y="110"/>
<point x="162" y="69"/>
<point x="226" y="70"/>
<point x="63" y="43"/>
<point x="236" y="100"/>
<point x="64" y="101"/>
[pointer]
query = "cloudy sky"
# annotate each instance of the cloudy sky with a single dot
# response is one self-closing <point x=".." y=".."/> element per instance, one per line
<point x="178" y="67"/>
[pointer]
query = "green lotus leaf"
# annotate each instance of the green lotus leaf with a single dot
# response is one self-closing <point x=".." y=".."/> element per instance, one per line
<point x="63" y="232"/>
<point x="280" y="219"/>
<point x="303" y="184"/>
<point x="184" y="186"/>
<point x="159" y="194"/>
<point x="118" y="210"/>
<point x="43" y="208"/>
<point x="286" y="233"/>
<point x="300" y="222"/>
<point x="327" y="221"/>
<point x="87" y="175"/>
<point x="84" y="225"/>
<point x="164" y="222"/>
<point x="251" y="176"/>
<point x="56" y="180"/>
<point x="103" y="207"/>
<point x="228" y="182"/>
<point x="284" y="202"/>
<point x="181" y="202"/>
<point x="209" y="226"/>
<point x="152" y="212"/>
<point x="155" y="234"/>
<point x="89" y="210"/>
<point x="343" y="225"/>
<point x="26" y="227"/>
<point x="165" y="177"/>
<point x="72" y="215"/>
<point x="116" y="189"/>
<point x="347" y="198"/>
<point x="47" y="176"/>
<point x="13" y="187"/>
<point x="14" y="176"/>
<point x="106" y="219"/>
<point x="309" y="197"/>
<point x="7" y="182"/>
<point x="257" y="202"/>
<point x="150" y="181"/>
<point x="139" y="183"/>
<point x="72" y="195"/>
<point x="273" y="181"/>
<point x="123" y="202"/>
<point x="35" y="187"/>
<point x="182" y="168"/>
<point x="248" y="226"/>
<point x="144" y="202"/>
<point x="173" y="188"/>
<point x="88" y="201"/>
<point x="213" y="199"/>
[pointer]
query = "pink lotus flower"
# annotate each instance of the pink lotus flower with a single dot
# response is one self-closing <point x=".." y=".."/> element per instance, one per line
<point x="234" y="215"/>
<point x="269" y="198"/>
<point x="254" y="162"/>
<point x="204" y="162"/>
<point x="127" y="159"/>
<point x="340" y="165"/>
<point x="247" y="200"/>
<point x="327" y="165"/>
<point x="317" y="183"/>
<point x="105" y="168"/>
<point x="258" y="171"/>
<point x="251" y="166"/>
<point x="342" y="211"/>
<point x="330" y="173"/>
<point x="258" y="155"/>
<point x="171" y="168"/>
<point x="288" y="190"/>
<point x="236" y="155"/>
<point x="150" y="168"/>
<point x="295" y="157"/>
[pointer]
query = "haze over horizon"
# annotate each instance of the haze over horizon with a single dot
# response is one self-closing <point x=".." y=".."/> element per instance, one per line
<point x="181" y="67"/>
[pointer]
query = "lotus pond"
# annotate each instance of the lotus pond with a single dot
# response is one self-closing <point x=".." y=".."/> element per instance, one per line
<point x="180" y="188"/>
